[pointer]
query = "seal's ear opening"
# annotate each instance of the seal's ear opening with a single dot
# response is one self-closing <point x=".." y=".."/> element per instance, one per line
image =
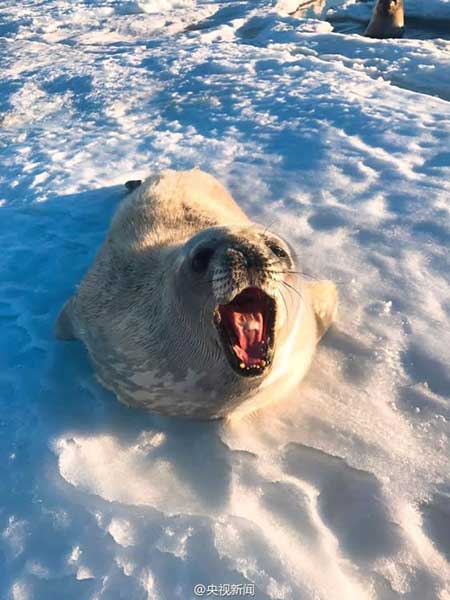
<point x="63" y="326"/>
<point x="324" y="302"/>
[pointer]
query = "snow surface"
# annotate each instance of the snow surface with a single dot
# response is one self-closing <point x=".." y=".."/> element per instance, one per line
<point x="338" y="142"/>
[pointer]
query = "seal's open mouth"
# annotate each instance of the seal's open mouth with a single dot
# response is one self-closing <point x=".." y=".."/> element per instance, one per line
<point x="246" y="327"/>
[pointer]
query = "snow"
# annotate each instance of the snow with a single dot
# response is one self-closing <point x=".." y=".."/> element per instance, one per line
<point x="338" y="142"/>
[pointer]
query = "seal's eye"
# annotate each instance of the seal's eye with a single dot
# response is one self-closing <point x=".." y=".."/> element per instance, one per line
<point x="201" y="260"/>
<point x="277" y="250"/>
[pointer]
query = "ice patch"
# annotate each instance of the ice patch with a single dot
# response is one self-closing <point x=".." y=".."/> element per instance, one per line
<point x="15" y="535"/>
<point x="154" y="6"/>
<point x="20" y="591"/>
<point x="102" y="466"/>
<point x="31" y="104"/>
<point x="122" y="532"/>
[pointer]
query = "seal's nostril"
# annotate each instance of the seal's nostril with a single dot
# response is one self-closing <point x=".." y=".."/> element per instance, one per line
<point x="254" y="259"/>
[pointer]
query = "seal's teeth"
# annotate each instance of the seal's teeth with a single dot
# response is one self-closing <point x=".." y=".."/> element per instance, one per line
<point x="242" y="365"/>
<point x="262" y="363"/>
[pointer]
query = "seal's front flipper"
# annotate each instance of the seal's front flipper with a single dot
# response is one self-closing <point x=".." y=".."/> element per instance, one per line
<point x="133" y="184"/>
<point x="64" y="327"/>
<point x="324" y="303"/>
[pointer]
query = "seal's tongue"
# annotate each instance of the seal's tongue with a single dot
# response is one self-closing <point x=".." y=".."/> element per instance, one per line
<point x="248" y="327"/>
<point x="245" y="318"/>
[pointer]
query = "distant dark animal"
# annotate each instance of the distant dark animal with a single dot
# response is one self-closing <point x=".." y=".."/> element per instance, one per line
<point x="387" y="20"/>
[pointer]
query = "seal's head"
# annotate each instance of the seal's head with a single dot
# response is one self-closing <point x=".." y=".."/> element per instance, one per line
<point x="233" y="280"/>
<point x="388" y="8"/>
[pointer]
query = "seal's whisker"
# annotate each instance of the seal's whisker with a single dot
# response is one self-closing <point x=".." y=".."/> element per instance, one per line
<point x="309" y="275"/>
<point x="300" y="273"/>
<point x="253" y="226"/>
<point x="284" y="302"/>
<point x="290" y="272"/>
<point x="291" y="287"/>
<point x="268" y="227"/>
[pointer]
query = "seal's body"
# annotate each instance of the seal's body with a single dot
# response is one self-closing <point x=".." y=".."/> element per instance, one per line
<point x="190" y="308"/>
<point x="387" y="20"/>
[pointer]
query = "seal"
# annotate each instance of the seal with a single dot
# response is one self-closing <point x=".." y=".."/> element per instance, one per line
<point x="387" y="20"/>
<point x="191" y="309"/>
